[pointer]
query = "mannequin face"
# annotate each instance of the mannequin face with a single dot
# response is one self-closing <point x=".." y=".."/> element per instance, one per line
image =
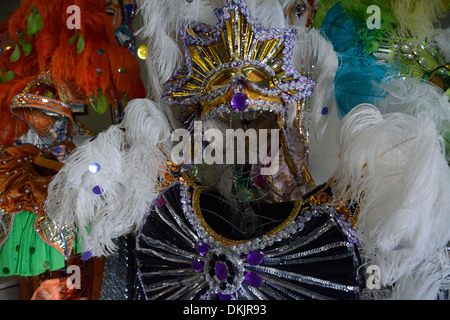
<point x="300" y="14"/>
<point x="113" y="9"/>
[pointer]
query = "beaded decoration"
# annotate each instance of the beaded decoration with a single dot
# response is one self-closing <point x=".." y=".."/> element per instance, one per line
<point x="180" y="258"/>
<point x="236" y="61"/>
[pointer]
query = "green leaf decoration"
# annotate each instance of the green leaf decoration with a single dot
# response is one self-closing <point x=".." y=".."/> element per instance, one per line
<point x="72" y="40"/>
<point x="80" y="44"/>
<point x="34" y="22"/>
<point x="93" y="105"/>
<point x="7" y="76"/>
<point x="101" y="103"/>
<point x="15" y="55"/>
<point x="26" y="47"/>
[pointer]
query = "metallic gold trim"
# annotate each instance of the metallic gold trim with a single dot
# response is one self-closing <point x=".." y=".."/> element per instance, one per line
<point x="228" y="242"/>
<point x="60" y="238"/>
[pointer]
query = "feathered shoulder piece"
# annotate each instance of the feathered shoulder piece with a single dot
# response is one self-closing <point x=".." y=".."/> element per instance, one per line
<point x="107" y="185"/>
<point x="393" y="166"/>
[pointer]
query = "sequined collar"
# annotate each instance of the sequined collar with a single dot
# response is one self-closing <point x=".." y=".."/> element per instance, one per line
<point x="179" y="259"/>
<point x="196" y="210"/>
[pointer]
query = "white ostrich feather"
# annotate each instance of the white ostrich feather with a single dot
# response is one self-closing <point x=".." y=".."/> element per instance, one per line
<point x="394" y="166"/>
<point x="129" y="159"/>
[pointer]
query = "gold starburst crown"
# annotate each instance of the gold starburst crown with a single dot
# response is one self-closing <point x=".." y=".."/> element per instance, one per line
<point x="236" y="65"/>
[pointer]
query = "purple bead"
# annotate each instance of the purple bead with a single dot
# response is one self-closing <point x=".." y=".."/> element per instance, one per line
<point x="221" y="271"/>
<point x="202" y="248"/>
<point x="160" y="202"/>
<point x="86" y="255"/>
<point x="198" y="265"/>
<point x="253" y="279"/>
<point x="255" y="257"/>
<point x="98" y="190"/>
<point x="239" y="101"/>
<point x="324" y="111"/>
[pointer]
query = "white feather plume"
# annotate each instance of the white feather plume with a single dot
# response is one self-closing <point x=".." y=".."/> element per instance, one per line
<point x="442" y="41"/>
<point x="71" y="199"/>
<point x="130" y="161"/>
<point x="394" y="167"/>
<point x="315" y="55"/>
<point x="413" y="96"/>
<point x="161" y="22"/>
<point x="148" y="138"/>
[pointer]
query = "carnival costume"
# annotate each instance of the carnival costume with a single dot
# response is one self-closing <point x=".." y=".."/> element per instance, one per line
<point x="228" y="231"/>
<point x="264" y="70"/>
<point x="40" y="55"/>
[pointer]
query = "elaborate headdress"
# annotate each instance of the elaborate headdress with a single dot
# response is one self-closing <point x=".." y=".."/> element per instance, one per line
<point x="238" y="66"/>
<point x="236" y="59"/>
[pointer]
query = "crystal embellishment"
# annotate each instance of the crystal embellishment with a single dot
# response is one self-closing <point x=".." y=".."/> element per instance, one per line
<point x="179" y="259"/>
<point x="255" y="257"/>
<point x="94" y="167"/>
<point x="235" y="46"/>
<point x="239" y="101"/>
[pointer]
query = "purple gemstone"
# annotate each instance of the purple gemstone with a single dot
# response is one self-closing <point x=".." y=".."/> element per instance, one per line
<point x="202" y="248"/>
<point x="324" y="111"/>
<point x="253" y="279"/>
<point x="198" y="265"/>
<point x="98" y="190"/>
<point x="86" y="255"/>
<point x="239" y="101"/>
<point x="160" y="202"/>
<point x="221" y="271"/>
<point x="255" y="257"/>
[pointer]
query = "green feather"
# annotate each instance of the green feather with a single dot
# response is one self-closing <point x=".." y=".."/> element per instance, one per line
<point x="101" y="103"/>
<point x="80" y="44"/>
<point x="15" y="55"/>
<point x="26" y="47"/>
<point x="7" y="76"/>
<point x="34" y="22"/>
<point x="72" y="40"/>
